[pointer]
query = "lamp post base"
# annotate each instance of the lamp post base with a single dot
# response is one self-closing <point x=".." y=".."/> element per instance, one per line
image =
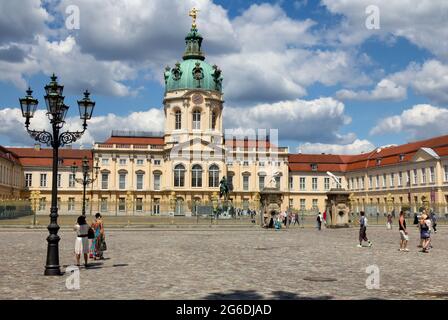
<point x="52" y="271"/>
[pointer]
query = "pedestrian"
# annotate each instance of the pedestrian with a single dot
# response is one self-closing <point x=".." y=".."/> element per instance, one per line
<point x="289" y="218"/>
<point x="404" y="238"/>
<point x="363" y="230"/>
<point x="319" y="221"/>
<point x="296" y="220"/>
<point x="82" y="241"/>
<point x="416" y="219"/>
<point x="325" y="218"/>
<point x="425" y="227"/>
<point x="99" y="240"/>
<point x="389" y="222"/>
<point x="434" y="221"/>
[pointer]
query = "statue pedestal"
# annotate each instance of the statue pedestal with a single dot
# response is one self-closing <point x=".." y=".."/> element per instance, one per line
<point x="338" y="208"/>
<point x="271" y="202"/>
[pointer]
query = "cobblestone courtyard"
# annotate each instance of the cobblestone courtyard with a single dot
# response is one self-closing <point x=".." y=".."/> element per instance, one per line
<point x="229" y="264"/>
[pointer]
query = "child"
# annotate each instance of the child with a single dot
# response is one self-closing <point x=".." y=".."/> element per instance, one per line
<point x="363" y="230"/>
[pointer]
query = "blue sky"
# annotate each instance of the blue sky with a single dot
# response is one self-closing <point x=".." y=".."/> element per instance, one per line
<point x="343" y="88"/>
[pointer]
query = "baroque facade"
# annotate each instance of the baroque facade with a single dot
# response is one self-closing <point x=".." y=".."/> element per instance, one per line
<point x="178" y="171"/>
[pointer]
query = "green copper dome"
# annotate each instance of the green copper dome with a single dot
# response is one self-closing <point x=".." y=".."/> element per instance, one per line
<point x="193" y="72"/>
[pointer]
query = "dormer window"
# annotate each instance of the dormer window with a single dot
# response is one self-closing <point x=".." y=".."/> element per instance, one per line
<point x="401" y="157"/>
<point x="314" y="167"/>
<point x="378" y="161"/>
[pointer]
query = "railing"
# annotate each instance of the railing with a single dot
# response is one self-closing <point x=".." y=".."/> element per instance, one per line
<point x="14" y="209"/>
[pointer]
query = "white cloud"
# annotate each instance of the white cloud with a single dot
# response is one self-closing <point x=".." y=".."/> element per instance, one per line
<point x="99" y="128"/>
<point x="421" y="22"/>
<point x="421" y="121"/>
<point x="386" y="89"/>
<point x="300" y="120"/>
<point x="356" y="147"/>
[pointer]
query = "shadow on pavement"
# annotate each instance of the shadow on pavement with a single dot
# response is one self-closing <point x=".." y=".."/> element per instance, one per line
<point x="253" y="295"/>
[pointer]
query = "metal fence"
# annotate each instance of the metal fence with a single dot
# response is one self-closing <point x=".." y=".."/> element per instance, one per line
<point x="15" y="209"/>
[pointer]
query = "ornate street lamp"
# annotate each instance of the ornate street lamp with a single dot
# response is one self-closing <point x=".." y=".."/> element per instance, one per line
<point x="85" y="180"/>
<point x="56" y="112"/>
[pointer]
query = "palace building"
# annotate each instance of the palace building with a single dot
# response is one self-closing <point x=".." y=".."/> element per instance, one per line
<point x="178" y="171"/>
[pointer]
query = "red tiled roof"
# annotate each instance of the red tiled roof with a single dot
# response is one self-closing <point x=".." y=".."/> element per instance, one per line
<point x="136" y="140"/>
<point x="8" y="155"/>
<point x="31" y="157"/>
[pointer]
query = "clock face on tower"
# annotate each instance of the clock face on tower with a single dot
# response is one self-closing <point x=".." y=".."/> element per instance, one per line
<point x="197" y="99"/>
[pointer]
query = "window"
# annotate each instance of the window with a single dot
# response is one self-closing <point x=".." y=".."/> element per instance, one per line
<point x="179" y="175"/>
<point x="314" y="167"/>
<point x="361" y="181"/>
<point x="261" y="182"/>
<point x="423" y="175"/>
<point x="261" y="163"/>
<point x="157" y="162"/>
<point x="356" y="183"/>
<point x="230" y="182"/>
<point x="291" y="203"/>
<point x="400" y="178"/>
<point x="445" y="169"/>
<point x="103" y="205"/>
<point x="377" y="182"/>
<point x="140" y="181"/>
<point x="327" y="183"/>
<point x="59" y="180"/>
<point x="213" y="176"/>
<point x="71" y="204"/>
<point x="139" y="204"/>
<point x="140" y="162"/>
<point x="378" y="162"/>
<point x="314" y="204"/>
<point x="156" y="206"/>
<point x="71" y="180"/>
<point x="122" y="162"/>
<point x="121" y="204"/>
<point x="392" y="177"/>
<point x="156" y="181"/>
<point x="291" y="183"/>
<point x="213" y="126"/>
<point x="415" y="176"/>
<point x="384" y="180"/>
<point x="104" y="180"/>
<point x="246" y="183"/>
<point x="370" y="182"/>
<point x="245" y="163"/>
<point x="42" y="204"/>
<point x="277" y="182"/>
<point x="196" y="176"/>
<point x="408" y="178"/>
<point x="314" y="183"/>
<point x="302" y="204"/>
<point x="122" y="181"/>
<point x="87" y="204"/>
<point x="401" y="157"/>
<point x="28" y="180"/>
<point x="43" y="180"/>
<point x="196" y="120"/>
<point x="432" y="177"/>
<point x="302" y="183"/>
<point x="105" y="162"/>
<point x="178" y="120"/>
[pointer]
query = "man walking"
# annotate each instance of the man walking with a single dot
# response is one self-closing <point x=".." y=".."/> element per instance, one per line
<point x="363" y="230"/>
<point x="404" y="238"/>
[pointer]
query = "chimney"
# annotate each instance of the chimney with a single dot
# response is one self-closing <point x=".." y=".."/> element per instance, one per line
<point x="37" y="146"/>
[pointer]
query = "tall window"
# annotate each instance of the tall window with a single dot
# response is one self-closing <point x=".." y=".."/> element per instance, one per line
<point x="302" y="183"/>
<point x="71" y="180"/>
<point x="197" y="120"/>
<point x="408" y="178"/>
<point x="122" y="181"/>
<point x="213" y="126"/>
<point x="196" y="176"/>
<point x="314" y="183"/>
<point x="392" y="177"/>
<point x="139" y="204"/>
<point x="370" y="182"/>
<point x="178" y="120"/>
<point x="291" y="183"/>
<point x="104" y="180"/>
<point x="59" y="180"/>
<point x="277" y="182"/>
<point x="423" y="175"/>
<point x="314" y="204"/>
<point x="42" y="204"/>
<point x="246" y="183"/>
<point x="156" y="206"/>
<point x="400" y="178"/>
<point x="445" y="169"/>
<point x="28" y="180"/>
<point x="121" y="204"/>
<point x="415" y="176"/>
<point x="179" y="175"/>
<point x="384" y="180"/>
<point x="261" y="182"/>
<point x="213" y="176"/>
<point x="230" y="182"/>
<point x="103" y="204"/>
<point x="71" y="204"/>
<point x="140" y="181"/>
<point x="361" y="183"/>
<point x="432" y="176"/>
<point x="43" y="180"/>
<point x="377" y="181"/>
<point x="302" y="204"/>
<point x="327" y="183"/>
<point x="156" y="181"/>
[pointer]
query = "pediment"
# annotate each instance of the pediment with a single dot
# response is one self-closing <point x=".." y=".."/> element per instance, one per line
<point x="425" y="154"/>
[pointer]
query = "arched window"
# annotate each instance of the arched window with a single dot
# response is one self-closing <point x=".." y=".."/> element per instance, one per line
<point x="178" y="120"/>
<point x="179" y="175"/>
<point x="197" y="120"/>
<point x="196" y="177"/>
<point x="214" y="116"/>
<point x="213" y="176"/>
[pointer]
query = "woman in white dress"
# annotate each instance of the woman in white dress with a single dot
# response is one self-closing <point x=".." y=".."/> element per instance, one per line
<point x="82" y="240"/>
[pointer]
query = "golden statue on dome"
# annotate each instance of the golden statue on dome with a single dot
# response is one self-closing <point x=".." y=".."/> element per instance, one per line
<point x="194" y="14"/>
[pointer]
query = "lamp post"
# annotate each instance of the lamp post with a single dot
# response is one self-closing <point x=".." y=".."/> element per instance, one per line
<point x="56" y="112"/>
<point x="85" y="180"/>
